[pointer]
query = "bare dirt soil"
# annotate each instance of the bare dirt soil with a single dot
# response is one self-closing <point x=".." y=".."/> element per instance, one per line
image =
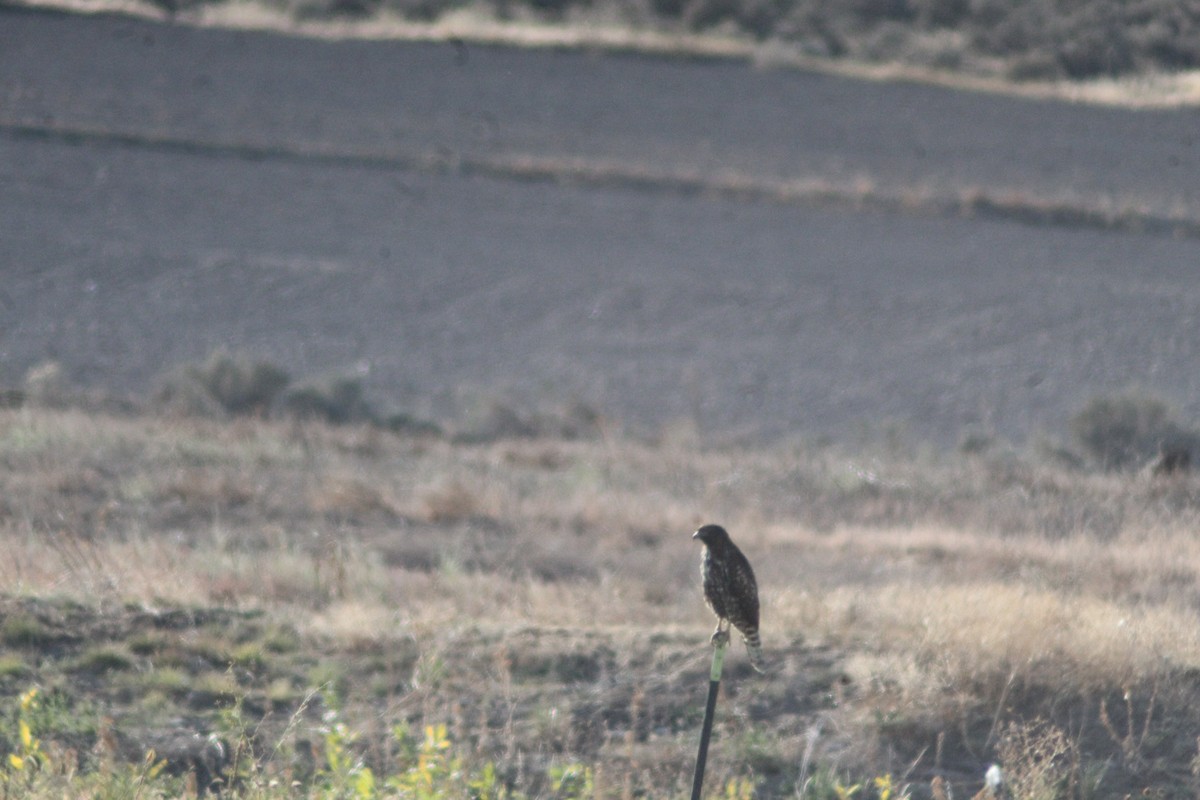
<point x="363" y="208"/>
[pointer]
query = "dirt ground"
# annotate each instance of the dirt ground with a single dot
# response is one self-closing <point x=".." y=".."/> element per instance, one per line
<point x="360" y="208"/>
<point x="416" y="216"/>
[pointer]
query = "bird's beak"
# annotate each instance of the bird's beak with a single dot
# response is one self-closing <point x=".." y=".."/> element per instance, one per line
<point x="696" y="535"/>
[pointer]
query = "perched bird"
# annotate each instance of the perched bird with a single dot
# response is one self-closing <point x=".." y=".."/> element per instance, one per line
<point x="730" y="590"/>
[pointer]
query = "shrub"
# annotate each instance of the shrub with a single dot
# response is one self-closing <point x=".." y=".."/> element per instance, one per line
<point x="46" y="385"/>
<point x="338" y="400"/>
<point x="1040" y="761"/>
<point x="941" y="13"/>
<point x="224" y="383"/>
<point x="1126" y="430"/>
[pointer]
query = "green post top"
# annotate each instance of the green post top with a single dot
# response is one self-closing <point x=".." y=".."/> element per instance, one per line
<point x="717" y="663"/>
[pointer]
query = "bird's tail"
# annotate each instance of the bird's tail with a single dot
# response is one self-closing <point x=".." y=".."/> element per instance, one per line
<point x="754" y="649"/>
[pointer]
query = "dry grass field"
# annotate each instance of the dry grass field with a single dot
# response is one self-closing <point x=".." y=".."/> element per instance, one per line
<point x="288" y="605"/>
<point x="272" y="607"/>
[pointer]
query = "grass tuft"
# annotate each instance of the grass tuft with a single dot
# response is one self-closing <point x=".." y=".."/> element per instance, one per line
<point x="24" y="631"/>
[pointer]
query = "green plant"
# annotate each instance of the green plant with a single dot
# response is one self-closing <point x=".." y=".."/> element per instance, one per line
<point x="29" y="757"/>
<point x="57" y="716"/>
<point x="235" y="728"/>
<point x="826" y="784"/>
<point x="739" y="789"/>
<point x="431" y="770"/>
<point x="31" y="772"/>
<point x="572" y="781"/>
<point x="486" y="786"/>
<point x="843" y="792"/>
<point x="435" y="766"/>
<point x="344" y="773"/>
<point x="886" y="788"/>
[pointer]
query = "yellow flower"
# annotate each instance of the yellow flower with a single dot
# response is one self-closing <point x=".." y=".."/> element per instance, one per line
<point x="436" y="738"/>
<point x="845" y="792"/>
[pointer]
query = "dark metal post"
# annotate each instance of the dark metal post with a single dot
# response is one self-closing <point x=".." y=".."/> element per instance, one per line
<point x="714" y="687"/>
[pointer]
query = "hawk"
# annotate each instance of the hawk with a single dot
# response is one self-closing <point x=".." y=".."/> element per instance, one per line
<point x="730" y="590"/>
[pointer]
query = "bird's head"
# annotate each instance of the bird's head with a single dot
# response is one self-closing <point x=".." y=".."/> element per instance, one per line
<point x="711" y="535"/>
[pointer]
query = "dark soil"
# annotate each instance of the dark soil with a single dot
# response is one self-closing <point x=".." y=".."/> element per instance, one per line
<point x="325" y="216"/>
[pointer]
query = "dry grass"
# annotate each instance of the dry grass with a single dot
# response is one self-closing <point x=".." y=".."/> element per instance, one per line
<point x="907" y="599"/>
